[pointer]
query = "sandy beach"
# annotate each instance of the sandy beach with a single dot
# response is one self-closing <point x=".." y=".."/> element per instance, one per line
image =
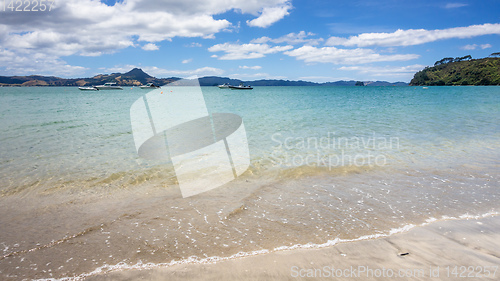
<point x="444" y="250"/>
<point x="362" y="143"/>
<point x="338" y="170"/>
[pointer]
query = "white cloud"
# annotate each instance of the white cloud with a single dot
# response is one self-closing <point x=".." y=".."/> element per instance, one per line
<point x="270" y="15"/>
<point x="204" y="71"/>
<point x="187" y="60"/>
<point x="413" y="36"/>
<point x="311" y="54"/>
<point x="162" y="72"/>
<point x="194" y="44"/>
<point x="261" y="40"/>
<point x="316" y="78"/>
<point x="455" y="5"/>
<point x="195" y="7"/>
<point x="246" y="51"/>
<point x="29" y="63"/>
<point x="256" y="67"/>
<point x="385" y="71"/>
<point x="256" y="76"/>
<point x="291" y="38"/>
<point x="150" y="47"/>
<point x="469" y="47"/>
<point x="118" y="69"/>
<point x="475" y="46"/>
<point x="92" y="28"/>
<point x="233" y="28"/>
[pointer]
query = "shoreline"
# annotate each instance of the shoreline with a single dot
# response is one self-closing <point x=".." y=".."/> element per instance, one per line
<point x="435" y="249"/>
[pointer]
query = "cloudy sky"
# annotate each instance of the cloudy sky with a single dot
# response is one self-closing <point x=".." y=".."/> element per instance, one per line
<point x="314" y="40"/>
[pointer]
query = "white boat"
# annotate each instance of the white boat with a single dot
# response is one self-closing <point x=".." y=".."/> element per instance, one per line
<point x="91" y="88"/>
<point x="150" y="86"/>
<point x="109" y="86"/>
<point x="241" y="87"/>
<point x="224" y="86"/>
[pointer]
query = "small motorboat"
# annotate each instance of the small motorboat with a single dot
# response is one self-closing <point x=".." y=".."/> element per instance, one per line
<point x="241" y="87"/>
<point x="150" y="86"/>
<point x="91" y="88"/>
<point x="109" y="86"/>
<point x="224" y="86"/>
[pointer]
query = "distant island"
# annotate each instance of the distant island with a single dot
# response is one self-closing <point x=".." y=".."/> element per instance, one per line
<point x="137" y="77"/>
<point x="460" y="71"/>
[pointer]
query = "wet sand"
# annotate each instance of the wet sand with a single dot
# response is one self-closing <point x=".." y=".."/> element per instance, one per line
<point x="444" y="250"/>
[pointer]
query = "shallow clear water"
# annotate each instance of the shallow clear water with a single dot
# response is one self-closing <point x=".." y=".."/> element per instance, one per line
<point x="326" y="163"/>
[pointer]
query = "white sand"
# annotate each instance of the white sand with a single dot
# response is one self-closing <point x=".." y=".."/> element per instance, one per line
<point x="445" y="250"/>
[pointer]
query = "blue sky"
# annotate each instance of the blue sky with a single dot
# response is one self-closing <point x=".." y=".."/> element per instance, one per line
<point x="247" y="39"/>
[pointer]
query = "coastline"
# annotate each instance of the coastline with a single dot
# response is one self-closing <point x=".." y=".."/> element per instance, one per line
<point x="79" y="203"/>
<point x="441" y="250"/>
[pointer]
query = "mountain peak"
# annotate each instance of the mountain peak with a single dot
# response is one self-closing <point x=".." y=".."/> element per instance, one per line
<point x="137" y="73"/>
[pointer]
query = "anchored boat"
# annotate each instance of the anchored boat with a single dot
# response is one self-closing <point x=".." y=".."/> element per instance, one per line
<point x="241" y="87"/>
<point x="150" y="86"/>
<point x="91" y="88"/>
<point x="224" y="86"/>
<point x="109" y="86"/>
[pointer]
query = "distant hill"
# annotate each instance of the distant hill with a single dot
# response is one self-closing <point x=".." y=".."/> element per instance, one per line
<point x="214" y="81"/>
<point x="384" y="83"/>
<point x="33" y="80"/>
<point x="137" y="77"/>
<point x="448" y="72"/>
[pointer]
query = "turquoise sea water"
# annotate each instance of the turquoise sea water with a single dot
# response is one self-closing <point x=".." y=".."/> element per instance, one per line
<point x="325" y="163"/>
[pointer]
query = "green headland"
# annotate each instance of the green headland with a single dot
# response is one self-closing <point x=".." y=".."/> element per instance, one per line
<point x="460" y="71"/>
